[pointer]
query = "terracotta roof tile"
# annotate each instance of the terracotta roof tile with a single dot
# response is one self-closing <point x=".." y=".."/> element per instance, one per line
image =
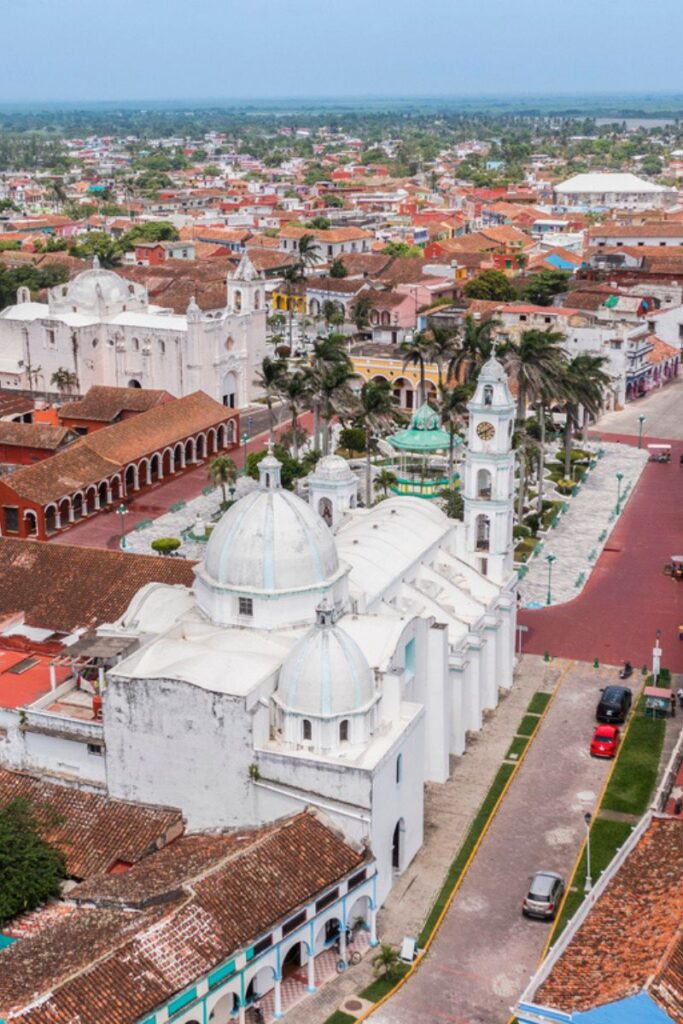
<point x="105" y="404"/>
<point x="34" y="435"/>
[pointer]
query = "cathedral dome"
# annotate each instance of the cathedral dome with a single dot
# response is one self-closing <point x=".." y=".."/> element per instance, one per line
<point x="95" y="288"/>
<point x="326" y="674"/>
<point x="270" y="541"/>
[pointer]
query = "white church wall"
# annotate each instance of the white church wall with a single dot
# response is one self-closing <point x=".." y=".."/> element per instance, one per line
<point x="456" y="683"/>
<point x="51" y="752"/>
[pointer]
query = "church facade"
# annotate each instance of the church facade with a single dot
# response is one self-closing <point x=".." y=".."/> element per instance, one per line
<point x="326" y="655"/>
<point x="102" y="329"/>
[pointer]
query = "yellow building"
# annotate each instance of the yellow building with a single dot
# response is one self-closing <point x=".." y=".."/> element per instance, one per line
<point x="280" y="301"/>
<point x="378" y="362"/>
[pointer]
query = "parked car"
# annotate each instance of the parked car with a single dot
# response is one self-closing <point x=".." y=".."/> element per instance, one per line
<point x="605" y="741"/>
<point x="614" y="704"/>
<point x="546" y="889"/>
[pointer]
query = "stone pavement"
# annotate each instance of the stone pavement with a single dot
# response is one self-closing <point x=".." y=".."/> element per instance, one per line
<point x="663" y="412"/>
<point x="485" y="950"/>
<point x="583" y="530"/>
<point x="449" y="811"/>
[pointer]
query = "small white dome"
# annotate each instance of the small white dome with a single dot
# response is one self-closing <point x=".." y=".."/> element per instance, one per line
<point x="270" y="541"/>
<point x="92" y="287"/>
<point x="332" y="467"/>
<point x="325" y="675"/>
<point x="492" y="370"/>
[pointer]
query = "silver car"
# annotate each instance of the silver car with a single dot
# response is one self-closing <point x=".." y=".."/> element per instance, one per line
<point x="546" y="889"/>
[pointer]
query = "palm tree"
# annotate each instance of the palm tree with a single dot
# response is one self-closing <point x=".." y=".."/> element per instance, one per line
<point x="526" y="448"/>
<point x="416" y="352"/>
<point x="360" y="312"/>
<point x="64" y="380"/>
<point x="291" y="276"/>
<point x="442" y="348"/>
<point x="329" y="376"/>
<point x="385" y="960"/>
<point x="295" y="390"/>
<point x="535" y="361"/>
<point x="476" y="346"/>
<point x="452" y="409"/>
<point x="269" y="379"/>
<point x="376" y="413"/>
<point x="385" y="479"/>
<point x="223" y="471"/>
<point x="333" y="314"/>
<point x="583" y="383"/>
<point x="309" y="251"/>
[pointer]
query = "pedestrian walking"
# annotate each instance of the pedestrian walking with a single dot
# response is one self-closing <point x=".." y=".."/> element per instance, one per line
<point x="679" y="694"/>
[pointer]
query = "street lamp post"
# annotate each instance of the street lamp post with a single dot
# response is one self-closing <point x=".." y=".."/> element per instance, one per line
<point x="656" y="657"/>
<point x="641" y="421"/>
<point x="588" y="817"/>
<point x="550" y="559"/>
<point x="122" y="511"/>
<point x="620" y="477"/>
<point x="245" y="438"/>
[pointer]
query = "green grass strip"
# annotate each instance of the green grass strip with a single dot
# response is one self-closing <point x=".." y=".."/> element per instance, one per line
<point x="456" y="868"/>
<point x="516" y="748"/>
<point x="378" y="988"/>
<point x="635" y="774"/>
<point x="339" y="1017"/>
<point x="538" y="703"/>
<point x="528" y="725"/>
<point x="606" y="838"/>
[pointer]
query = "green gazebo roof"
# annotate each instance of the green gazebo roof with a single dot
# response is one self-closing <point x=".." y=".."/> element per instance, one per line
<point x="424" y="434"/>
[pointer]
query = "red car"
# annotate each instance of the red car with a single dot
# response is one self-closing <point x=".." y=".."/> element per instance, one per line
<point x="605" y="741"/>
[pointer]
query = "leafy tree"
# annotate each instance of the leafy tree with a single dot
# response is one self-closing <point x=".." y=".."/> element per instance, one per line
<point x="452" y="409"/>
<point x="542" y="287"/>
<point x="352" y="439"/>
<point x="331" y="371"/>
<point x="337" y="267"/>
<point x="333" y="313"/>
<point x="150" y="231"/>
<point x="360" y="312"/>
<point x="223" y="472"/>
<point x="211" y="171"/>
<point x="384" y="480"/>
<point x="442" y="346"/>
<point x="583" y="385"/>
<point x="165" y="545"/>
<point x="334" y="202"/>
<point x="292" y="469"/>
<point x="416" y="352"/>
<point x="376" y="413"/>
<point x="453" y="502"/>
<point x="30" y="868"/>
<point x="64" y="380"/>
<point x="270" y="378"/>
<point x="96" y="243"/>
<point x="295" y="390"/>
<point x="402" y="249"/>
<point x="492" y="285"/>
<point x="321" y="223"/>
<point x="31" y="277"/>
<point x="475" y="347"/>
<point x="535" y="361"/>
<point x="386" y="961"/>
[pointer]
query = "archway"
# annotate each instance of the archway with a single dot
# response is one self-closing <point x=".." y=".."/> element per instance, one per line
<point x="229" y="390"/>
<point x="64" y="509"/>
<point x="430" y="392"/>
<point x="103" y="492"/>
<point x="397" y="845"/>
<point x="261" y="982"/>
<point x="221" y="435"/>
<point x="232" y="433"/>
<point x="155" y="467"/>
<point x="167" y="462"/>
<point x="179" y="456"/>
<point x="484" y="484"/>
<point x="90" y="495"/>
<point x="31" y="521"/>
<point x="133" y="383"/>
<point x="404" y="393"/>
<point x="211" y="441"/>
<point x="328" y="933"/>
<point x="189" y="451"/>
<point x="225" y="1009"/>
<point x="325" y="510"/>
<point x="201" y="447"/>
<point x="116" y="488"/>
<point x="131" y="479"/>
<point x="77" y="506"/>
<point x="359" y="914"/>
<point x="482" y="528"/>
<point x="50" y="519"/>
<point x="294" y="959"/>
<point x="143" y="472"/>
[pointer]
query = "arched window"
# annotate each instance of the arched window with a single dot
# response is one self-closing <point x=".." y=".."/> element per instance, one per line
<point x="344" y="731"/>
<point x="136" y="345"/>
<point x="94" y="343"/>
<point x="488" y="394"/>
<point x="257" y="299"/>
<point x="307" y="729"/>
<point x="399" y="768"/>
<point x="162" y="347"/>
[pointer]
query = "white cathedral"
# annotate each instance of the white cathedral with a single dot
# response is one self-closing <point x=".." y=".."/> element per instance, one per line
<point x="329" y="665"/>
<point x="103" y="330"/>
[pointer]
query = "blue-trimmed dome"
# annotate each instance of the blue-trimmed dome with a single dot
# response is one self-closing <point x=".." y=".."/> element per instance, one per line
<point x="326" y="674"/>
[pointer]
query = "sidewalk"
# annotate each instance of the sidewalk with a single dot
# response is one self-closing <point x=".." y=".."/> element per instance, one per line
<point x="449" y="811"/>
<point x="584" y="530"/>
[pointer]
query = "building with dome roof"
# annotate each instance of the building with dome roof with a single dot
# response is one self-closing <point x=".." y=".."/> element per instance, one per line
<point x="419" y="474"/>
<point x="333" y="664"/>
<point x="103" y="329"/>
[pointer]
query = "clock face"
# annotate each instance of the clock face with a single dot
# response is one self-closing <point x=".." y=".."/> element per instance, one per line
<point x="485" y="431"/>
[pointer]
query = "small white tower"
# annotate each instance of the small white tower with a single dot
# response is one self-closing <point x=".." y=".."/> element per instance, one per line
<point x="332" y="489"/>
<point x="490" y="475"/>
<point x="246" y="288"/>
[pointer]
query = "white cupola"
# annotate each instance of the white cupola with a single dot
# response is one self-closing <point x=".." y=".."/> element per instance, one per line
<point x="332" y="489"/>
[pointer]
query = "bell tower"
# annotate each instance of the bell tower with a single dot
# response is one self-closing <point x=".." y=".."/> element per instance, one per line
<point x="490" y="475"/>
<point x="246" y="288"/>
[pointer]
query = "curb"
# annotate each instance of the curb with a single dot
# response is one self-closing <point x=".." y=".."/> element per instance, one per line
<point x="494" y="810"/>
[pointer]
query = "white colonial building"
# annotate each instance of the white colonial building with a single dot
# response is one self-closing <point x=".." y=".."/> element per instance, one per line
<point x="610" y="191"/>
<point x="103" y="330"/>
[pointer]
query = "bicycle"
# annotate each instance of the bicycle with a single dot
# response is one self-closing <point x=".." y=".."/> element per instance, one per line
<point x="353" y="958"/>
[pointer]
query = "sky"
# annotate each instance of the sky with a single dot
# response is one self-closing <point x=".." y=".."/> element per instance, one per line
<point x="231" y="49"/>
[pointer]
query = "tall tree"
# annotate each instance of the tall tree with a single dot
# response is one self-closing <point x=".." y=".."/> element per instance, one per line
<point x="291" y="277"/>
<point x="442" y="347"/>
<point x="492" y="285"/>
<point x="584" y="383"/>
<point x="376" y="412"/>
<point x="64" y="380"/>
<point x="31" y="869"/>
<point x="269" y="379"/>
<point x="309" y="251"/>
<point x="223" y="472"/>
<point x="453" y="409"/>
<point x="331" y="371"/>
<point x="360" y="312"/>
<point x="535" y="361"/>
<point x="295" y="391"/>
<point x="416" y="352"/>
<point x="474" y="348"/>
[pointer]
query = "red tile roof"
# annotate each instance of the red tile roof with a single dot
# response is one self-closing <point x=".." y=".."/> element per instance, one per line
<point x="105" y="404"/>
<point x="34" y="435"/>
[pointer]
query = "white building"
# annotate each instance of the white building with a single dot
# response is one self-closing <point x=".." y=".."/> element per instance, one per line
<point x="103" y="329"/>
<point x="596" y="191"/>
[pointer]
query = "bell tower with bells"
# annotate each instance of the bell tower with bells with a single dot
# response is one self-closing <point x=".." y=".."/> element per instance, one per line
<point x="490" y="475"/>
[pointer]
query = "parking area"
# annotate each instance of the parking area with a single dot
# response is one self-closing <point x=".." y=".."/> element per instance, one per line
<point x="486" y="950"/>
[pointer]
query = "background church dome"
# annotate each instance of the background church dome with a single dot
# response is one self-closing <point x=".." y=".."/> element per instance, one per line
<point x="332" y="467"/>
<point x="326" y="674"/>
<point x="92" y="287"/>
<point x="271" y="540"/>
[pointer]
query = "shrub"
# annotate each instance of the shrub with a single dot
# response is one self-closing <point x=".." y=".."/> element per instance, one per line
<point x="165" y="545"/>
<point x="32" y="869"/>
<point x="533" y="522"/>
<point x="454" y="505"/>
<point x="566" y="486"/>
<point x="352" y="439"/>
<point x="520" y="530"/>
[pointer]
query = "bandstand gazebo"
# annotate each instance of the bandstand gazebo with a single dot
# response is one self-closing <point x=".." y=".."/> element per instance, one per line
<point x="422" y="448"/>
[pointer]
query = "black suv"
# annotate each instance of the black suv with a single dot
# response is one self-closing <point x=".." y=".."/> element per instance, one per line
<point x="614" y="705"/>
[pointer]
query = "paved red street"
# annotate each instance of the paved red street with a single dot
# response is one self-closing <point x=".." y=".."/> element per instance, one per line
<point x="628" y="597"/>
<point x="104" y="530"/>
